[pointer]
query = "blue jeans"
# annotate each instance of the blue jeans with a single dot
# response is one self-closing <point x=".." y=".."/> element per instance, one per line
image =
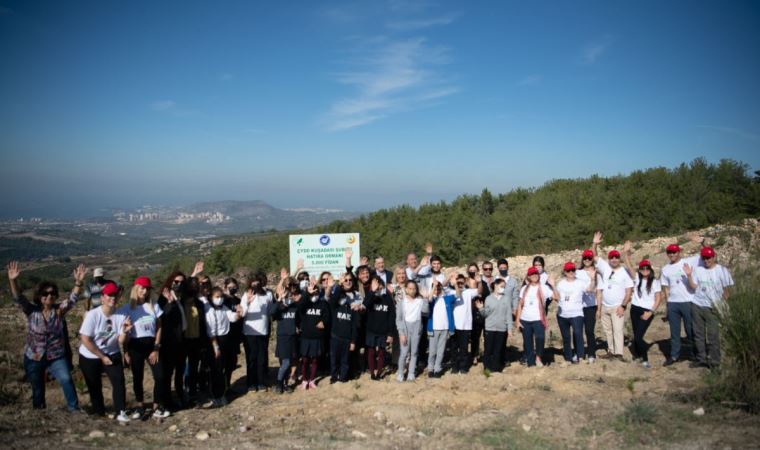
<point x="58" y="368"/>
<point x="529" y="331"/>
<point x="677" y="312"/>
<point x="577" y="337"/>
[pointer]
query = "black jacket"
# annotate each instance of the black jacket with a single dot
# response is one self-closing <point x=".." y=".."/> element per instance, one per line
<point x="381" y="314"/>
<point x="310" y="314"/>
<point x="286" y="316"/>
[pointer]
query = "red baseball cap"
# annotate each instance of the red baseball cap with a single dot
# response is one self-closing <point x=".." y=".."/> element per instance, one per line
<point x="673" y="248"/>
<point x="110" y="289"/>
<point x="588" y="253"/>
<point x="569" y="266"/>
<point x="645" y="263"/>
<point x="613" y="254"/>
<point x="144" y="282"/>
<point x="532" y="271"/>
<point x="707" y="252"/>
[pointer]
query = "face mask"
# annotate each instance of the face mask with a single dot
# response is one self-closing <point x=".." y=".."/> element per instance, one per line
<point x="304" y="284"/>
<point x="499" y="290"/>
<point x="218" y="301"/>
<point x="472" y="274"/>
<point x="232" y="291"/>
<point x="504" y="272"/>
<point x="177" y="288"/>
<point x="99" y="280"/>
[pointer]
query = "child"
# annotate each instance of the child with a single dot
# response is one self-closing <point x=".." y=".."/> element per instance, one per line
<point x="497" y="311"/>
<point x="440" y="326"/>
<point x="380" y="322"/>
<point x="284" y="312"/>
<point x="409" y="314"/>
<point x="313" y="317"/>
<point x="218" y="319"/>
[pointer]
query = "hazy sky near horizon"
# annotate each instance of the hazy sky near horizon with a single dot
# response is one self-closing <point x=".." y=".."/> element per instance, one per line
<point x="361" y="104"/>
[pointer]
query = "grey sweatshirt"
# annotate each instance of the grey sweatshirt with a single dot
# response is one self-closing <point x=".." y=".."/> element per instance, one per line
<point x="498" y="313"/>
<point x="400" y="322"/>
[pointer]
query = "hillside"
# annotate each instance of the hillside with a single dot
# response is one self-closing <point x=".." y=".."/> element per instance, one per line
<point x="604" y="405"/>
<point x="558" y="215"/>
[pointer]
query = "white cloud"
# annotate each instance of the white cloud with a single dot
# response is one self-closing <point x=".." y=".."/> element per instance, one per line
<point x="390" y="76"/>
<point x="170" y="107"/>
<point x="530" y="80"/>
<point x="734" y="131"/>
<point x="417" y="24"/>
<point x="594" y="50"/>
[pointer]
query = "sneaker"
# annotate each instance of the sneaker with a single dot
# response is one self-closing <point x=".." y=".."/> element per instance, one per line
<point x="333" y="380"/>
<point x="312" y="385"/>
<point x="304" y="385"/>
<point x="209" y="404"/>
<point x="668" y="362"/>
<point x="219" y="402"/>
<point x="400" y="378"/>
<point x="575" y="359"/>
<point x="161" y="413"/>
<point x="455" y="370"/>
<point x="539" y="363"/>
<point x="136" y="413"/>
<point x="591" y="360"/>
<point x="122" y="417"/>
<point x="253" y="389"/>
<point x="410" y="377"/>
<point x="646" y="365"/>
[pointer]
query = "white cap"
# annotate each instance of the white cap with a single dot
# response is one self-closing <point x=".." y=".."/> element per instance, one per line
<point x="98" y="272"/>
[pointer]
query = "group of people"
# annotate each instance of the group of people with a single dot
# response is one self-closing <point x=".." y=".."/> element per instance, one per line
<point x="367" y="320"/>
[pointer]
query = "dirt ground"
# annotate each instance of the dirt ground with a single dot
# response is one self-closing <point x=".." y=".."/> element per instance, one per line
<point x="609" y="404"/>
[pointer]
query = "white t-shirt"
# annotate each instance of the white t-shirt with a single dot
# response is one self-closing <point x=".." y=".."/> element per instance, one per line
<point x="613" y="283"/>
<point x="531" y="311"/>
<point x="675" y="279"/>
<point x="571" y="297"/>
<point x="144" y="318"/>
<point x="413" y="309"/>
<point x="589" y="298"/>
<point x="463" y="310"/>
<point x="646" y="299"/>
<point x="427" y="283"/>
<point x="218" y="320"/>
<point x="710" y="285"/>
<point x="440" y="315"/>
<point x="103" y="330"/>
<point x="255" y="313"/>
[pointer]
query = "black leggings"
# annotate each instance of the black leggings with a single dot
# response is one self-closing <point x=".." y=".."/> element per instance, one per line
<point x="222" y="367"/>
<point x="640" y="327"/>
<point x="193" y="350"/>
<point x="139" y="351"/>
<point x="460" y="358"/>
<point x="93" y="369"/>
<point x="256" y="359"/>
<point x="172" y="366"/>
<point x="589" y="324"/>
<point x="494" y="342"/>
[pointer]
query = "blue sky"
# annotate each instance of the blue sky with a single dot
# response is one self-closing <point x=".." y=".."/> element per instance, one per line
<point x="361" y="104"/>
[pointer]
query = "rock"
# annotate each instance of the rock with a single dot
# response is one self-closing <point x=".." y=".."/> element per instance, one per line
<point x="526" y="427"/>
<point x="699" y="411"/>
<point x="388" y="431"/>
<point x="402" y="429"/>
<point x="173" y="428"/>
<point x="96" y="434"/>
<point x="201" y="436"/>
<point x="244" y="428"/>
<point x="349" y="423"/>
<point x="111" y="434"/>
<point x="533" y="414"/>
<point x="421" y="434"/>
<point x="251" y="418"/>
<point x="359" y="434"/>
<point x="379" y="416"/>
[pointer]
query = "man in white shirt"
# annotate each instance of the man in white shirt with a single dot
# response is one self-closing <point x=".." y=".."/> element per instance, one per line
<point x="679" y="297"/>
<point x="615" y="288"/>
<point x="711" y="284"/>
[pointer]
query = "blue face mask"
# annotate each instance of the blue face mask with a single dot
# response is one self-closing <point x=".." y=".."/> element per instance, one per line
<point x="504" y="272"/>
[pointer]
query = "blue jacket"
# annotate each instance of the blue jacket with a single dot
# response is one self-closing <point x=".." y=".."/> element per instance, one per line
<point x="448" y="301"/>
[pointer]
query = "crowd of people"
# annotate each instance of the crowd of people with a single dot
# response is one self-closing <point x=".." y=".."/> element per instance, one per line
<point x="369" y="319"/>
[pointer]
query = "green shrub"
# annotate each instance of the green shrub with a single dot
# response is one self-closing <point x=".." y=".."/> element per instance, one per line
<point x="739" y="380"/>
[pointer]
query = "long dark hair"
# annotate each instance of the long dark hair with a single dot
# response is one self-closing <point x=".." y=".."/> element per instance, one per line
<point x="170" y="280"/>
<point x="650" y="280"/>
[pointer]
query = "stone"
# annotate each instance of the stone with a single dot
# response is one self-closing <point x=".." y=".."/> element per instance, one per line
<point x="201" y="436"/>
<point x="526" y="427"/>
<point x="96" y="434"/>
<point x="699" y="411"/>
<point x="173" y="428"/>
<point x="359" y="434"/>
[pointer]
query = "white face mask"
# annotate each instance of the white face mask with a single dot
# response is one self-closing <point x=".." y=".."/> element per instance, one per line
<point x="218" y="301"/>
<point x="304" y="284"/>
<point x="500" y="290"/>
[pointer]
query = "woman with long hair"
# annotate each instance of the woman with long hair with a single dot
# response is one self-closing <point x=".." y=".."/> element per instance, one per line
<point x="644" y="302"/>
<point x="531" y="316"/>
<point x="409" y="312"/>
<point x="173" y="324"/>
<point x="569" y="297"/>
<point x="591" y="309"/>
<point x="144" y="345"/>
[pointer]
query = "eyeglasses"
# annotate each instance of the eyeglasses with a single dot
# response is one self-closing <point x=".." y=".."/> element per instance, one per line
<point x="487" y="269"/>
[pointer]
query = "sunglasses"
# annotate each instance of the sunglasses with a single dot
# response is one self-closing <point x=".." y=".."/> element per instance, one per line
<point x="571" y="270"/>
<point x="614" y="257"/>
<point x="647" y="268"/>
<point x="588" y="259"/>
<point x="671" y="253"/>
<point x="175" y="282"/>
<point x="50" y="293"/>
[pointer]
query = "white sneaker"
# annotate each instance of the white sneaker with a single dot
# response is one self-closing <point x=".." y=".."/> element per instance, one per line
<point x="539" y="363"/>
<point x="591" y="360"/>
<point x="400" y="378"/>
<point x="136" y="414"/>
<point x="575" y="359"/>
<point x="646" y="365"/>
<point x="160" y="413"/>
<point x="122" y="417"/>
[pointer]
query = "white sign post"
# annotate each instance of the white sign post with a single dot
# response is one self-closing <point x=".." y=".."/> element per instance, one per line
<point x="323" y="252"/>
